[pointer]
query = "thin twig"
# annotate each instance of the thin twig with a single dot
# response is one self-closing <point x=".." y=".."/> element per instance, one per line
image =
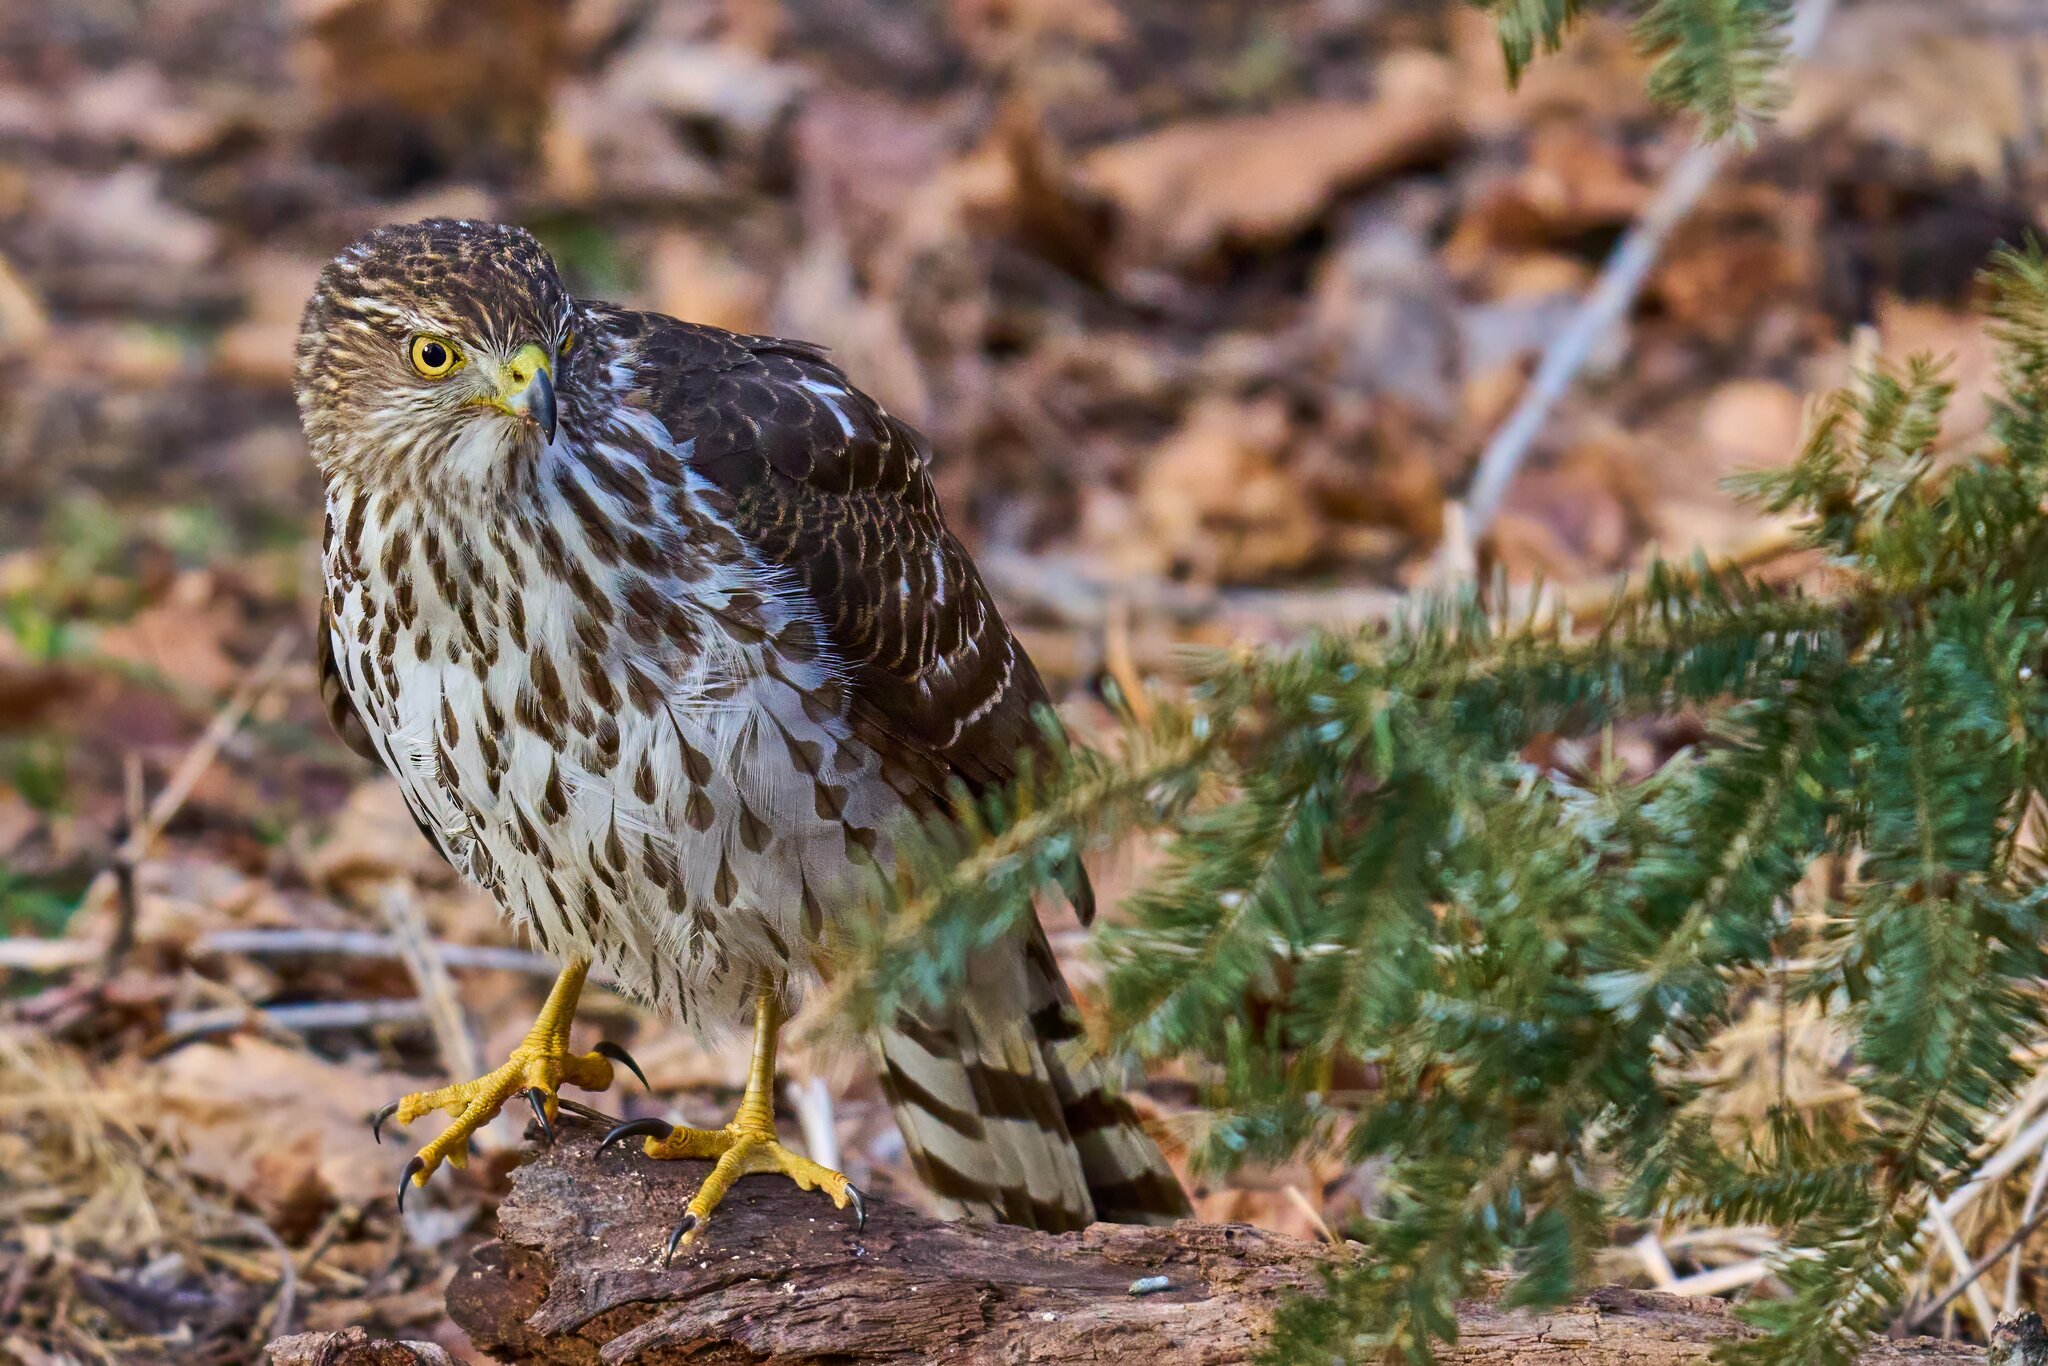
<point x="812" y="1101"/>
<point x="304" y="1017"/>
<point x="2028" y="1212"/>
<point x="127" y="907"/>
<point x="142" y="835"/>
<point x="430" y="975"/>
<point x="1621" y="279"/>
<point x="1311" y="1213"/>
<point x="1952" y="1244"/>
<point x="1722" y="1279"/>
<point x="22" y="317"/>
<point x="1649" y="1250"/>
<point x="2019" y="1235"/>
<point x="1119" y="663"/>
<point x="26" y="953"/>
<point x="281" y="943"/>
<point x="287" y="1278"/>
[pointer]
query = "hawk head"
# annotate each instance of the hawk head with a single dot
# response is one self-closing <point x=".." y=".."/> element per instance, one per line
<point x="430" y="356"/>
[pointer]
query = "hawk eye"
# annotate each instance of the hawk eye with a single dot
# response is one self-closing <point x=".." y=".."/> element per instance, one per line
<point x="568" y="340"/>
<point x="433" y="357"/>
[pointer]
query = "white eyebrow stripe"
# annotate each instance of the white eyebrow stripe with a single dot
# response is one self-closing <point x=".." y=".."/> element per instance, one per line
<point x="831" y="393"/>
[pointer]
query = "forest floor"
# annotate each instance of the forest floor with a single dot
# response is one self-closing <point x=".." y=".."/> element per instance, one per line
<point x="1207" y="307"/>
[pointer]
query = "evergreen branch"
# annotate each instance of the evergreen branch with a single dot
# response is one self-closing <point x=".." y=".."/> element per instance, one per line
<point x="1366" y="865"/>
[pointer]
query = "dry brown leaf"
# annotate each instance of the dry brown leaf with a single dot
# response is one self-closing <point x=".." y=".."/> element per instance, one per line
<point x="277" y="1125"/>
<point x="180" y="638"/>
<point x="599" y="148"/>
<point x="1217" y="503"/>
<point x="690" y="278"/>
<point x="1199" y="184"/>
<point x="1912" y="79"/>
<point x="1746" y="424"/>
<point x="374" y="838"/>
<point x="1958" y="340"/>
<point x="259" y="349"/>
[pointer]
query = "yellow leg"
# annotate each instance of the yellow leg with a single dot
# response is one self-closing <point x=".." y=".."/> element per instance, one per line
<point x="745" y="1147"/>
<point x="538" y="1066"/>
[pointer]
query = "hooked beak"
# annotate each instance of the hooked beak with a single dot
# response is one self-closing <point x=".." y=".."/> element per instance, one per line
<point x="526" y="388"/>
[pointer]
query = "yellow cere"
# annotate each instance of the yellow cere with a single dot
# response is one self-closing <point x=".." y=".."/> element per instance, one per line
<point x="433" y="357"/>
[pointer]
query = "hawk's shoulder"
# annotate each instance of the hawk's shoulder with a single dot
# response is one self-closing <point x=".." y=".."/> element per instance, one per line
<point x="825" y="483"/>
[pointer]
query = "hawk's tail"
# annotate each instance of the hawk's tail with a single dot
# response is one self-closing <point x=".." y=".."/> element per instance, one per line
<point x="1006" y="1118"/>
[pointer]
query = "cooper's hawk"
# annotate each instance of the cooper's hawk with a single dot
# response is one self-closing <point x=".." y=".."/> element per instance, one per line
<point x="660" y="630"/>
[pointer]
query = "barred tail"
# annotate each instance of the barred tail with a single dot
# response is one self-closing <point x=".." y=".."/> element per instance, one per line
<point x="1006" y="1118"/>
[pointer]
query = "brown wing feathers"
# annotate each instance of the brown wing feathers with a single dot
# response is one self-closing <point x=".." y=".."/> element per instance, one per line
<point x="1000" y="1111"/>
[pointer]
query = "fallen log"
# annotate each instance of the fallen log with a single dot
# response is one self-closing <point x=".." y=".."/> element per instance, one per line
<point x="782" y="1279"/>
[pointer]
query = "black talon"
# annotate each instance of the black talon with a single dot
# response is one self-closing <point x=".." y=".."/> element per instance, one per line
<point x="860" y="1208"/>
<point x="608" y="1049"/>
<point x="377" y="1120"/>
<point x="540" y="1112"/>
<point x="647" y="1128"/>
<point x="675" y="1238"/>
<point x="412" y="1169"/>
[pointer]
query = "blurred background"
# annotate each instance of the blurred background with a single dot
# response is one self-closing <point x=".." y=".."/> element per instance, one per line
<point x="1208" y="307"/>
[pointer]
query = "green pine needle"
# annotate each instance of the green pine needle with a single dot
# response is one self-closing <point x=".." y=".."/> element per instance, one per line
<point x="1359" y="863"/>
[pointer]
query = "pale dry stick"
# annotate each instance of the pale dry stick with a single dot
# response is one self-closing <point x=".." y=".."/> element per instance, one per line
<point x="287" y="1278"/>
<point x="308" y="1260"/>
<point x="2028" y="1215"/>
<point x="2027" y="1143"/>
<point x="2011" y="1244"/>
<point x="279" y="943"/>
<point x="128" y="911"/>
<point x="46" y="955"/>
<point x="1311" y="1213"/>
<point x="430" y="976"/>
<point x="26" y="954"/>
<point x="1753" y="1239"/>
<point x="1952" y="1244"/>
<point x="22" y="317"/>
<point x="258" y="943"/>
<point x="182" y="1026"/>
<point x="812" y="1101"/>
<point x="1118" y="661"/>
<point x="1621" y="279"/>
<point x="134" y="849"/>
<point x="1649" y="1250"/>
<point x="1594" y="599"/>
<point x="1721" y="1279"/>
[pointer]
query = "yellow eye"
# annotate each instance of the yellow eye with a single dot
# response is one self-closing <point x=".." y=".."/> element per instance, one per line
<point x="433" y="357"/>
<point x="568" y="340"/>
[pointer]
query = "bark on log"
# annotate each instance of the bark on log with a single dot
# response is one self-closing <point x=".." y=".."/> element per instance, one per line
<point x="782" y="1279"/>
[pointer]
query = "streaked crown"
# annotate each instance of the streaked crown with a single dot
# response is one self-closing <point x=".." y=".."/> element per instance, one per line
<point x="430" y="354"/>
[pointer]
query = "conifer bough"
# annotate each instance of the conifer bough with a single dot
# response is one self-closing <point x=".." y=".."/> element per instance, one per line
<point x="1361" y="864"/>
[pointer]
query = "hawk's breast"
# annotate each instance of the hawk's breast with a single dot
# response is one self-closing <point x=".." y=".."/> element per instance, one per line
<point x="610" y="712"/>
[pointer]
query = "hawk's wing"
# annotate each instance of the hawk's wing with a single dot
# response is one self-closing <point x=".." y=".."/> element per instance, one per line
<point x="341" y="708"/>
<point x="826" y="484"/>
<point x="1002" y="1113"/>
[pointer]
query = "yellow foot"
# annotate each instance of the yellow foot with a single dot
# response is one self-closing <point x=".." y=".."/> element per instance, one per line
<point x="740" y="1150"/>
<point x="539" y="1067"/>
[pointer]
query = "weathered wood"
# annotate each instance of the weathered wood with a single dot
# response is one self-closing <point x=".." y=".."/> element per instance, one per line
<point x="783" y="1279"/>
